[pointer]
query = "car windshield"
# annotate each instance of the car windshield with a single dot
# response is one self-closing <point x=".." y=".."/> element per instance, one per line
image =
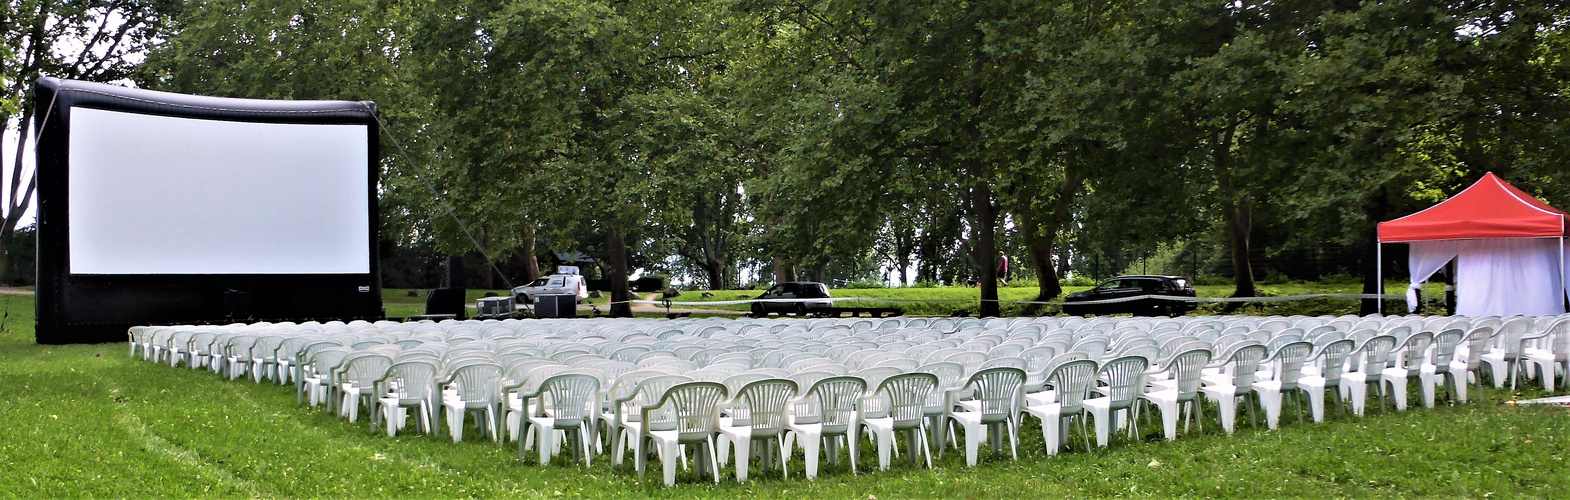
<point x="1180" y="283"/>
<point x="540" y="282"/>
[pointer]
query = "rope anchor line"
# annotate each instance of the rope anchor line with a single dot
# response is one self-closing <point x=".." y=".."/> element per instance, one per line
<point x="1206" y="300"/>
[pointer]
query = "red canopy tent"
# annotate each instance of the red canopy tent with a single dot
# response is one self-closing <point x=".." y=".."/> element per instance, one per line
<point x="1489" y="209"/>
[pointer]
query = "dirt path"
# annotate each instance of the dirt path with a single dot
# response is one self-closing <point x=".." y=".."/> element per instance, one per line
<point x="651" y="308"/>
<point x="6" y="290"/>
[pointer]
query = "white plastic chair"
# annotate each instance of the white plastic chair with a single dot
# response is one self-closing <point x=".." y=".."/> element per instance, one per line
<point x="686" y="414"/>
<point x="1284" y="379"/>
<point x="1414" y="353"/>
<point x="566" y="404"/>
<point x="1439" y="371"/>
<point x="1331" y="361"/>
<point x="1125" y="379"/>
<point x="1070" y="382"/>
<point x="906" y="395"/>
<point x="826" y="412"/>
<point x="473" y="389"/>
<point x="1470" y="365"/>
<point x="1552" y="356"/>
<point x="1225" y="388"/>
<point x="997" y="390"/>
<point x="407" y="385"/>
<point x="629" y="412"/>
<point x="1371" y="357"/>
<point x="766" y="402"/>
<point x="1179" y="390"/>
<point x="357" y="380"/>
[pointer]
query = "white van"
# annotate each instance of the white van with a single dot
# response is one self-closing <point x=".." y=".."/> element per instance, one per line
<point x="555" y="284"/>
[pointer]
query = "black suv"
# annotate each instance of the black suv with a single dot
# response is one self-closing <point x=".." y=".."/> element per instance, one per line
<point x="792" y="290"/>
<point x="1134" y="286"/>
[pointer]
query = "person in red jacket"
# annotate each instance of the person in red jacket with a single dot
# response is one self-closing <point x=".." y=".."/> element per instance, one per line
<point x="1003" y="269"/>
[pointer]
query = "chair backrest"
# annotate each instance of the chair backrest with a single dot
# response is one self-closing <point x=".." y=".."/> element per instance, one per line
<point x="832" y="402"/>
<point x="1037" y="358"/>
<point x="1375" y="352"/>
<point x="1508" y="335"/>
<point x="734" y="383"/>
<point x="766" y="401"/>
<point x="1095" y="347"/>
<point x="903" y="363"/>
<point x="1124" y="377"/>
<point x="970" y="360"/>
<point x="409" y="379"/>
<point x="809" y="377"/>
<point x="997" y="389"/>
<point x="1004" y="361"/>
<point x="1445" y="348"/>
<point x="569" y="397"/>
<point x="1186" y="368"/>
<point x="1072" y="380"/>
<point x="365" y="369"/>
<point x="875" y="375"/>
<point x="1289" y="360"/>
<point x="1244" y="362"/>
<point x="1476" y="343"/>
<point x="628" y="353"/>
<point x="650" y="390"/>
<point x="1332" y="359"/>
<point x="907" y="394"/>
<point x="1414" y="350"/>
<point x="691" y="409"/>
<point x="477" y="383"/>
<point x="1557" y="338"/>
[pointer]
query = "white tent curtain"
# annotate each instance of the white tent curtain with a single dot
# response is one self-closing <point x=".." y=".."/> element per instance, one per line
<point x="1505" y="277"/>
<point x="1425" y="259"/>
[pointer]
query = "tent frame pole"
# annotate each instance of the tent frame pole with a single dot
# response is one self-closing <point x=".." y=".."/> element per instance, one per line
<point x="1379" y="272"/>
<point x="1564" y="290"/>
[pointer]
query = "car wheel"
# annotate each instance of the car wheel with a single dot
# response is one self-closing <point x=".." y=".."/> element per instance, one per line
<point x="801" y="309"/>
<point x="757" y="310"/>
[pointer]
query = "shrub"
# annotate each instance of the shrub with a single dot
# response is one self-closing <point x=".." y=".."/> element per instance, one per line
<point x="1078" y="281"/>
<point x="864" y="283"/>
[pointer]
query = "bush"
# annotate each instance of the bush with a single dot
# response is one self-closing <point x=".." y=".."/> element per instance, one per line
<point x="1078" y="281"/>
<point x="1024" y="283"/>
<point x="924" y="284"/>
<point x="864" y="283"/>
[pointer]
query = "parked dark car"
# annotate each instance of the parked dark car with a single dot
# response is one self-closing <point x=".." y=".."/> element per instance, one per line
<point x="1134" y="286"/>
<point x="792" y="290"/>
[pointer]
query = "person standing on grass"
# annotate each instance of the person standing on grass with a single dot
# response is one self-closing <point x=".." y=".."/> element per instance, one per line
<point x="1003" y="269"/>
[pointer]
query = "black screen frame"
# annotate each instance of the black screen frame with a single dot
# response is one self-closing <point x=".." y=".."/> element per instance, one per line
<point x="101" y="307"/>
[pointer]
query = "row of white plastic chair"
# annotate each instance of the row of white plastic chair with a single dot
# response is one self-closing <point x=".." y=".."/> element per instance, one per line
<point x="482" y="367"/>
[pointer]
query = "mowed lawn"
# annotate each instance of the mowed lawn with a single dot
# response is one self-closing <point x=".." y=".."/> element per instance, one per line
<point x="946" y="301"/>
<point x="88" y="421"/>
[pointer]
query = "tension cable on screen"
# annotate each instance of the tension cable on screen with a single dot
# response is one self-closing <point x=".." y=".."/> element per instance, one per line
<point x="415" y="169"/>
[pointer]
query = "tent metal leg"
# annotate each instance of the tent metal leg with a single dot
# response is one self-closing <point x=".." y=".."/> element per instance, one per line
<point x="1379" y="271"/>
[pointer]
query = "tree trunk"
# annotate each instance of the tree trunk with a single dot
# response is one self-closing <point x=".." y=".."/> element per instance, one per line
<point x="1239" y="216"/>
<point x="621" y="294"/>
<point x="531" y="264"/>
<point x="986" y="253"/>
<point x="487" y="275"/>
<point x="5" y="256"/>
<point x="784" y="270"/>
<point x="716" y="274"/>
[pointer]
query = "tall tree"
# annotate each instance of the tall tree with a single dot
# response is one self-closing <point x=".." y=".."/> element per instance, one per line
<point x="93" y="40"/>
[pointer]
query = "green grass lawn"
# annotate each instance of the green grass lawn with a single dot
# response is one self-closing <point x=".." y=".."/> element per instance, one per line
<point x="87" y="421"/>
<point x="399" y="304"/>
<point x="945" y="301"/>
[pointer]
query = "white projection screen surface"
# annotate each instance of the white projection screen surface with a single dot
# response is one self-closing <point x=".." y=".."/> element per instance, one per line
<point x="153" y="194"/>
